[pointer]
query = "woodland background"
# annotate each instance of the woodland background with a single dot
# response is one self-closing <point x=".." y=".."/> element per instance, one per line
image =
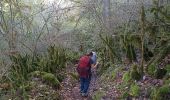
<point x="40" y="40"/>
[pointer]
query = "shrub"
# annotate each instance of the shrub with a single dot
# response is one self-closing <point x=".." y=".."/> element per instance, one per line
<point x="98" y="95"/>
<point x="155" y="94"/>
<point x="167" y="81"/>
<point x="125" y="95"/>
<point x="161" y="93"/>
<point x="134" y="90"/>
<point x="51" y="79"/>
<point x="22" y="65"/>
<point x="151" y="69"/>
<point x="113" y="75"/>
<point x="167" y="67"/>
<point x="160" y="73"/>
<point x="126" y="77"/>
<point x="134" y="74"/>
<point x="164" y="90"/>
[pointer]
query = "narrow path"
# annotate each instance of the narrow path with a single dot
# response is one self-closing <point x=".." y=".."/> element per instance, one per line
<point x="70" y="87"/>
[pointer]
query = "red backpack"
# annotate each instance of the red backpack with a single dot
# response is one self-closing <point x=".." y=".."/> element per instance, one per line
<point x="83" y="67"/>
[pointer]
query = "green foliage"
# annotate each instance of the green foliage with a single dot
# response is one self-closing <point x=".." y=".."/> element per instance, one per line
<point x="167" y="67"/>
<point x="111" y="52"/>
<point x="98" y="95"/>
<point x="129" y="43"/>
<point x="134" y="90"/>
<point x="151" y="69"/>
<point x="155" y="94"/>
<point x="135" y="75"/>
<point x="27" y="86"/>
<point x="114" y="72"/>
<point x="164" y="90"/>
<point x="113" y="75"/>
<point x="126" y="77"/>
<point x="147" y="54"/>
<point x="41" y="66"/>
<point x="105" y="67"/>
<point x="167" y="81"/>
<point x="160" y="93"/>
<point x="35" y="74"/>
<point x="125" y="95"/>
<point x="74" y="76"/>
<point x="21" y="65"/>
<point x="60" y="77"/>
<point x="72" y="56"/>
<point x="56" y="59"/>
<point x="160" y="73"/>
<point x="51" y="79"/>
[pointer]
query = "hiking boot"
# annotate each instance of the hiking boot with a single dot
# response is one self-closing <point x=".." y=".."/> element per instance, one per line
<point x="80" y="92"/>
<point x="84" y="94"/>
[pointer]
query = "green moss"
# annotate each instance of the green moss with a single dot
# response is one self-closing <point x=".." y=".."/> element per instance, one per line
<point x="51" y="79"/>
<point x="151" y="69"/>
<point x="160" y="93"/>
<point x="35" y="74"/>
<point x="113" y="75"/>
<point x="167" y="67"/>
<point x="27" y="86"/>
<point x="126" y="77"/>
<point x="134" y="90"/>
<point x="98" y="95"/>
<point x="164" y="90"/>
<point x="155" y="94"/>
<point x="167" y="81"/>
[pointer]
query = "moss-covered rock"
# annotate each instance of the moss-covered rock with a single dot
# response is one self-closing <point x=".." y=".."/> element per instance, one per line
<point x="35" y="74"/>
<point x="51" y="79"/>
<point x="134" y="90"/>
<point x="48" y="78"/>
<point x="151" y="69"/>
<point x="126" y="77"/>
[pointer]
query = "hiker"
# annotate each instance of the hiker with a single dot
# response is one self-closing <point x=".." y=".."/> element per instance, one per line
<point x="93" y="70"/>
<point x="84" y="71"/>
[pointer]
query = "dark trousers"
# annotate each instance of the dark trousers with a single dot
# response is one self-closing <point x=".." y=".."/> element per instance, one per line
<point x="84" y="84"/>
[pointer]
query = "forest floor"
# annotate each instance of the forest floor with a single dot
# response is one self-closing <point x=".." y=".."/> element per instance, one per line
<point x="105" y="87"/>
<point x="70" y="88"/>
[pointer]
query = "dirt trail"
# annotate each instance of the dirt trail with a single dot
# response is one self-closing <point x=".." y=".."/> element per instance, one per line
<point x="70" y="87"/>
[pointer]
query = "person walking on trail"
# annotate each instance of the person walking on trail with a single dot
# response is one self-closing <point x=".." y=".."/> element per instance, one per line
<point x="94" y="58"/>
<point x="84" y="70"/>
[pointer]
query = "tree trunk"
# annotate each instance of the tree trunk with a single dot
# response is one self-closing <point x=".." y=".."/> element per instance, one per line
<point x="106" y="15"/>
<point x="142" y="22"/>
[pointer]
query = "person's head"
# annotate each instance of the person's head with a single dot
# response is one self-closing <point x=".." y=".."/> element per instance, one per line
<point x="90" y="54"/>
